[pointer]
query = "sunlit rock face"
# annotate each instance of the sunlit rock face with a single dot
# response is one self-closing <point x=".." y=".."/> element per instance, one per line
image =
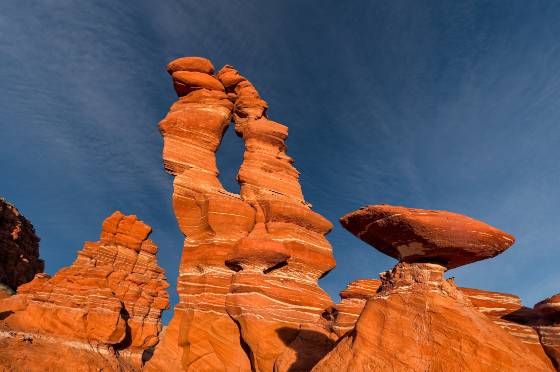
<point x="353" y="301"/>
<point x="19" y="250"/>
<point x="417" y="315"/>
<point x="110" y="299"/>
<point x="249" y="298"/>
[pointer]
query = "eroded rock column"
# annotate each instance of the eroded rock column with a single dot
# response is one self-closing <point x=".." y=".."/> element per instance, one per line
<point x="276" y="300"/>
<point x="248" y="289"/>
<point x="201" y="335"/>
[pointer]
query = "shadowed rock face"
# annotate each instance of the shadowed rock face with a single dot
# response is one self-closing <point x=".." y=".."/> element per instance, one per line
<point x="248" y="277"/>
<point x="110" y="298"/>
<point x="548" y="327"/>
<point x="19" y="248"/>
<point x="418" y="235"/>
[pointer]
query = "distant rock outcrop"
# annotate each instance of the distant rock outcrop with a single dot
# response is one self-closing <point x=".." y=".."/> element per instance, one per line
<point x="109" y="302"/>
<point x="548" y="327"/>
<point x="19" y="249"/>
<point x="417" y="320"/>
<point x="354" y="299"/>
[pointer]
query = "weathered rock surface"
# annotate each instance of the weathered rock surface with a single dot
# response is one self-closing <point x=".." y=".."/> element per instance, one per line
<point x="493" y="304"/>
<point x="548" y="327"/>
<point x="418" y="235"/>
<point x="354" y="299"/>
<point x="420" y="322"/>
<point x="19" y="248"/>
<point x="110" y="298"/>
<point x="507" y="311"/>
<point x="417" y="320"/>
<point x="248" y="289"/>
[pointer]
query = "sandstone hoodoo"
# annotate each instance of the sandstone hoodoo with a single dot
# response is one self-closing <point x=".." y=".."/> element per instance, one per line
<point x="110" y="299"/>
<point x="417" y="320"/>
<point x="19" y="249"/>
<point x="248" y="292"/>
<point x="418" y="235"/>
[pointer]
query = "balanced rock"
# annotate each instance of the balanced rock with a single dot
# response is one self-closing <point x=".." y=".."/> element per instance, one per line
<point x="19" y="249"/>
<point x="418" y="235"/>
<point x="417" y="320"/>
<point x="111" y="297"/>
<point x="248" y="292"/>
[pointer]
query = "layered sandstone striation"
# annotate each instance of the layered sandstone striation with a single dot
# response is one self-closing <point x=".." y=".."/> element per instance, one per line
<point x="19" y="250"/>
<point x="417" y="320"/>
<point x="353" y="301"/>
<point x="548" y="327"/>
<point x="110" y="299"/>
<point x="507" y="311"/>
<point x="249" y="298"/>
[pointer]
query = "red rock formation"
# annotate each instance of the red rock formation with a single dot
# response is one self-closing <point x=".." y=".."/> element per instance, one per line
<point x="548" y="327"/>
<point x="248" y="289"/>
<point x="493" y="304"/>
<point x="506" y="311"/>
<point x="277" y="303"/>
<point x="19" y="248"/>
<point x="111" y="298"/>
<point x="417" y="235"/>
<point x="354" y="299"/>
<point x="417" y="320"/>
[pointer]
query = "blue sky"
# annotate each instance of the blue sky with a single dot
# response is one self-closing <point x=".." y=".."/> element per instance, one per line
<point x="439" y="105"/>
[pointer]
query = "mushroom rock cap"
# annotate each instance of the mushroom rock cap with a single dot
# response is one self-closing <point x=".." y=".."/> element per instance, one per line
<point x="549" y="306"/>
<point x="418" y="235"/>
<point x="197" y="64"/>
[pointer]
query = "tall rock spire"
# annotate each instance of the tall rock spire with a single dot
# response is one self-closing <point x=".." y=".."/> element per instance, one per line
<point x="248" y="276"/>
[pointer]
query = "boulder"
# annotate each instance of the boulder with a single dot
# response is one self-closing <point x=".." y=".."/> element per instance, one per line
<point x="418" y="235"/>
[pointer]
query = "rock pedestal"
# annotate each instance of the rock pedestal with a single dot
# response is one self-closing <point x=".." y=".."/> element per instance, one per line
<point x="417" y="320"/>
